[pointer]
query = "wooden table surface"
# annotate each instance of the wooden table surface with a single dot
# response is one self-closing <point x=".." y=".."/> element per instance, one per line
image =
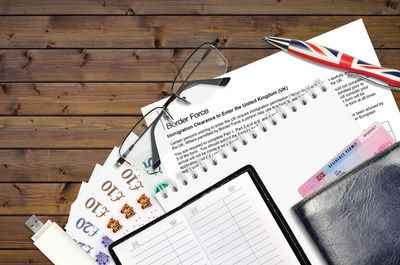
<point x="74" y="74"/>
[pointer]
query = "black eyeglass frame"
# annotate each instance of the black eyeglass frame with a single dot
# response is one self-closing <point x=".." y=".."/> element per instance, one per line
<point x="175" y="95"/>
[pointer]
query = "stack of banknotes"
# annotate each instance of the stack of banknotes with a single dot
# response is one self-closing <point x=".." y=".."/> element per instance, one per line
<point x="111" y="204"/>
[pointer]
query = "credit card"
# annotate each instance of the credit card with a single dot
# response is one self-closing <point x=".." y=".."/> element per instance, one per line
<point x="372" y="141"/>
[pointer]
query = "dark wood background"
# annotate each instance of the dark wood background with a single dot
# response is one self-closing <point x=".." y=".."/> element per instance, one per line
<point x="74" y="74"/>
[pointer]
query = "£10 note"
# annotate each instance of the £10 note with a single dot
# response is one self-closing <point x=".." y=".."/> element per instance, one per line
<point x="87" y="230"/>
<point x="152" y="180"/>
<point x="130" y="208"/>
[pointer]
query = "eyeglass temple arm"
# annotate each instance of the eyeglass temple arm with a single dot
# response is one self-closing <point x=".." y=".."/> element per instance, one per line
<point x="154" y="151"/>
<point x="214" y="82"/>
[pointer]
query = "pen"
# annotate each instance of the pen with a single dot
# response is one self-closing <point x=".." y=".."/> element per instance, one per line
<point x="336" y="59"/>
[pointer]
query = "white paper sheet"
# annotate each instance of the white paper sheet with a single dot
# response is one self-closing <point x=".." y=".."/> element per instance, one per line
<point x="298" y="145"/>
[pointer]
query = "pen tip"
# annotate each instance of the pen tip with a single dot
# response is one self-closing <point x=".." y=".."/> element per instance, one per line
<point x="281" y="43"/>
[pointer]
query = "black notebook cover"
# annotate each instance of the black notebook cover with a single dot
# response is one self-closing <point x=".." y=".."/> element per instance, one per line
<point x="356" y="219"/>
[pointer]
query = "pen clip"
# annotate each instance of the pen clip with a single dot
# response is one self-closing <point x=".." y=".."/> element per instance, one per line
<point x="373" y="81"/>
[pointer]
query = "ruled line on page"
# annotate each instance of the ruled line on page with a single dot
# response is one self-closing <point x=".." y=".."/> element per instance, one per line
<point x="212" y="220"/>
<point x="175" y="244"/>
<point x="210" y="212"/>
<point x="221" y="231"/>
<point x="155" y="237"/>
<point x="231" y="227"/>
<point x="225" y="224"/>
<point x="155" y="244"/>
<point x="207" y="210"/>
<point x="213" y="228"/>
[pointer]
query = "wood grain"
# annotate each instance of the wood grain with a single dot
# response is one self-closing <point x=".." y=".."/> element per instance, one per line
<point x="38" y="198"/>
<point x="71" y="132"/>
<point x="66" y="99"/>
<point x="79" y="98"/>
<point x="126" y="65"/>
<point x="140" y="7"/>
<point x="96" y="65"/>
<point x="23" y="257"/>
<point x="172" y="31"/>
<point x="20" y="238"/>
<point x="396" y="95"/>
<point x="24" y="165"/>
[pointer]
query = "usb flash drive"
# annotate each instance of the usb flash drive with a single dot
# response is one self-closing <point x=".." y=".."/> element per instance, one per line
<point x="56" y="244"/>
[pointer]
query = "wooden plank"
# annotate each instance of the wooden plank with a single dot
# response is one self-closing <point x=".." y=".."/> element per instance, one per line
<point x="140" y="7"/>
<point x="20" y="238"/>
<point x="66" y="131"/>
<point x="396" y="95"/>
<point x="66" y="99"/>
<point x="37" y="198"/>
<point x="79" y="98"/>
<point x="71" y="132"/>
<point x="49" y="165"/>
<point x="178" y="31"/>
<point x="75" y="65"/>
<point x="106" y="65"/>
<point x="23" y="257"/>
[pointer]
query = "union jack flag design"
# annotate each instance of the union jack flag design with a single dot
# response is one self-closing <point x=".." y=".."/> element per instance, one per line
<point x="333" y="58"/>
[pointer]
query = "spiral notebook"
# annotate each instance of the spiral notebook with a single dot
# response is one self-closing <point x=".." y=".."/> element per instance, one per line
<point x="233" y="222"/>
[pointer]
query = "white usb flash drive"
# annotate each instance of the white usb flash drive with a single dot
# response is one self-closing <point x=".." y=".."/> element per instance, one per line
<point x="56" y="244"/>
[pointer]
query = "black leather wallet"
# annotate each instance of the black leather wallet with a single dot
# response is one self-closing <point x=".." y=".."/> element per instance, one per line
<point x="356" y="219"/>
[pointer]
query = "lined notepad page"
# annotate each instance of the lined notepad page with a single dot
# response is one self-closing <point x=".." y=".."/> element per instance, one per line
<point x="230" y="225"/>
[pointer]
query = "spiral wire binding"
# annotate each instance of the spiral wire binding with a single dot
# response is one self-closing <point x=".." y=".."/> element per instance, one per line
<point x="182" y="178"/>
<point x="271" y="118"/>
<point x="213" y="160"/>
<point x="240" y="137"/>
<point x="194" y="173"/>
<point x="281" y="112"/>
<point x="222" y="152"/>
<point x="233" y="146"/>
<point x="262" y="126"/>
<point x="291" y="105"/>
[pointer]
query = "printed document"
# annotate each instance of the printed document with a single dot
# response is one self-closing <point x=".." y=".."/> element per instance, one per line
<point x="304" y="125"/>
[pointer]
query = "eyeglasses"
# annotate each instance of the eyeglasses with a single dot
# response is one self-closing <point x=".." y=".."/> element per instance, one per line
<point x="200" y="68"/>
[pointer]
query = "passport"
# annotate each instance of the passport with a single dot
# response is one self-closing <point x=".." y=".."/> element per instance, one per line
<point x="355" y="218"/>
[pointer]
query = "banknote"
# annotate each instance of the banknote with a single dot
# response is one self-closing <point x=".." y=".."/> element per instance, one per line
<point x="153" y="180"/>
<point x="372" y="141"/>
<point x="112" y="204"/>
<point x="87" y="230"/>
<point x="131" y="206"/>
